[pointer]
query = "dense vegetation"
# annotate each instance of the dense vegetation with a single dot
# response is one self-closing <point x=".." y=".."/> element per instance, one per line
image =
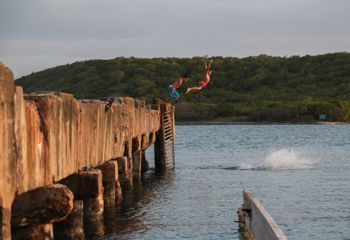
<point x="261" y="88"/>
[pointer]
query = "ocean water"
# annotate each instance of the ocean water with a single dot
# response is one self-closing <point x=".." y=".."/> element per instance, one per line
<point x="301" y="174"/>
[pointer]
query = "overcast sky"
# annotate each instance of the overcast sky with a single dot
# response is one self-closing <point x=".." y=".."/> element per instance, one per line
<point x="37" y="34"/>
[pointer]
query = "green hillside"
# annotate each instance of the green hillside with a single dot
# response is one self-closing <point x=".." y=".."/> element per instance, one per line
<point x="261" y="88"/>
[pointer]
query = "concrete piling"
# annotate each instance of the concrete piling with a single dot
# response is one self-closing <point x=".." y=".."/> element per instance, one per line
<point x="118" y="189"/>
<point x="84" y="184"/>
<point x="111" y="187"/>
<point x="146" y="140"/>
<point x="87" y="186"/>
<point x="144" y="163"/>
<point x="42" y="205"/>
<point x="159" y="148"/>
<point x="8" y="156"/>
<point x="33" y="212"/>
<point x="136" y="158"/>
<point x="123" y="180"/>
<point x="128" y="163"/>
<point x="159" y="153"/>
<point x="94" y="205"/>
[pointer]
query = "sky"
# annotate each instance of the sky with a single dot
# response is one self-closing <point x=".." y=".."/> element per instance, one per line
<point x="38" y="34"/>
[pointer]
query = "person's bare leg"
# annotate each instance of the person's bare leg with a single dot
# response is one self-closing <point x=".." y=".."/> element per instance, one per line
<point x="207" y="72"/>
<point x="192" y="89"/>
<point x="205" y="69"/>
<point x="208" y="68"/>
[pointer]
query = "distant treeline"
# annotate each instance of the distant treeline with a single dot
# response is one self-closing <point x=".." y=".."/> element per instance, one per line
<point x="260" y="88"/>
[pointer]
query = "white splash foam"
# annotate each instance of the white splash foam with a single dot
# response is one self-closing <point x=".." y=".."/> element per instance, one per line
<point x="246" y="166"/>
<point x="283" y="159"/>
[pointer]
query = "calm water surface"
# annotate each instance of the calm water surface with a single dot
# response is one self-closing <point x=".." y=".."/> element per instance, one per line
<point x="301" y="173"/>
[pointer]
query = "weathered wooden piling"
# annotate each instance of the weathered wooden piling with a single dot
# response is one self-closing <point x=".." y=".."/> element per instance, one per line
<point x="111" y="188"/>
<point x="128" y="163"/>
<point x="159" y="153"/>
<point x="123" y="179"/>
<point x="94" y="207"/>
<point x="48" y="137"/>
<point x="84" y="184"/>
<point x="146" y="139"/>
<point x="136" y="158"/>
<point x="43" y="205"/>
<point x="144" y="163"/>
<point x="8" y="166"/>
<point x="33" y="212"/>
<point x="87" y="185"/>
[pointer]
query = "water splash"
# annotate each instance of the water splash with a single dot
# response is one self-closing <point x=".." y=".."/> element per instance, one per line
<point x="283" y="159"/>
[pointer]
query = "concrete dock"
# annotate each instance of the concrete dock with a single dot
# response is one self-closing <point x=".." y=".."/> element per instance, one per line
<point x="58" y="154"/>
<point x="255" y="222"/>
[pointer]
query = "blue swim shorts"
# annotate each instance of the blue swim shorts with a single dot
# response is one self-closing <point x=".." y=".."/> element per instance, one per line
<point x="172" y="95"/>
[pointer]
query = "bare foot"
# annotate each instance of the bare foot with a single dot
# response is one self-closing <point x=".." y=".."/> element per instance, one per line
<point x="187" y="91"/>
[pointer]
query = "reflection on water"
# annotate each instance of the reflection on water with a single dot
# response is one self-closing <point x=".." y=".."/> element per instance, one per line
<point x="304" y="184"/>
<point x="94" y="227"/>
<point x="126" y="217"/>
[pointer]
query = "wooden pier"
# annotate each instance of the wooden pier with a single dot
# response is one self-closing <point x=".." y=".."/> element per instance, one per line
<point x="58" y="154"/>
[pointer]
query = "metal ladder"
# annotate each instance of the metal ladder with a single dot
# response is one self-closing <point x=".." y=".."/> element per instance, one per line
<point x="169" y="137"/>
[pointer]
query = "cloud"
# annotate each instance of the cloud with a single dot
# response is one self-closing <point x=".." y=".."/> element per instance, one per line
<point x="41" y="33"/>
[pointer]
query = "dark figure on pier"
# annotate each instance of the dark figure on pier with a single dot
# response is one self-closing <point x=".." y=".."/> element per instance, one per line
<point x="109" y="104"/>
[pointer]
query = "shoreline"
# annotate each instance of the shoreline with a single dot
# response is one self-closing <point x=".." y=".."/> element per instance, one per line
<point x="256" y="123"/>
